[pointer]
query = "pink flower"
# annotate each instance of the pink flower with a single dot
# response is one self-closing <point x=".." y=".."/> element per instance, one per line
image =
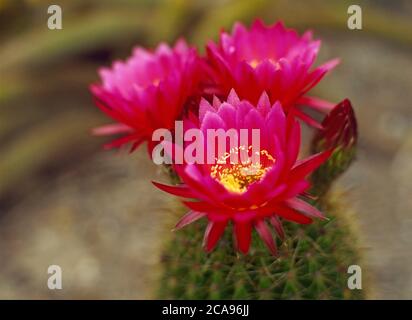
<point x="148" y="91"/>
<point x="248" y="194"/>
<point x="272" y="59"/>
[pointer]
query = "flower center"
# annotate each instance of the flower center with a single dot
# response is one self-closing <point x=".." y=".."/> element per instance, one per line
<point x="236" y="177"/>
<point x="255" y="62"/>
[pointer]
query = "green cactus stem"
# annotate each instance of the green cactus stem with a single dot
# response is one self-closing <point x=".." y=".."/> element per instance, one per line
<point x="312" y="263"/>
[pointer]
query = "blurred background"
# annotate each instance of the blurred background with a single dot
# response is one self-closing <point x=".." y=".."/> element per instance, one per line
<point x="65" y="201"/>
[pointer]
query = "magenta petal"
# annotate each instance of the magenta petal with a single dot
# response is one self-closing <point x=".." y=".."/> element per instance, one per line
<point x="228" y="113"/>
<point x="212" y="120"/>
<point x="204" y="207"/>
<point x="254" y="120"/>
<point x="110" y="129"/>
<point x="304" y="207"/>
<point x="308" y="119"/>
<point x="121" y="141"/>
<point x="213" y="233"/>
<point x="329" y="65"/>
<point x="265" y="73"/>
<point x="148" y="90"/>
<point x="291" y="214"/>
<point x="243" y="233"/>
<point x="266" y="58"/>
<point x="296" y="189"/>
<point x="317" y="104"/>
<point x="306" y="166"/>
<point x="320" y="72"/>
<point x="180" y="191"/>
<point x="278" y="226"/>
<point x="233" y="98"/>
<point x="188" y="218"/>
<point x="266" y="235"/>
<point x="294" y="144"/>
<point x="216" y="102"/>
<point x="263" y="104"/>
<point x="204" y="107"/>
<point x="276" y="122"/>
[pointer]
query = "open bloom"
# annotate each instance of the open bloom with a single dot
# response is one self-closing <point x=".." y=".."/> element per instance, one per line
<point x="248" y="194"/>
<point x="148" y="91"/>
<point x="272" y="59"/>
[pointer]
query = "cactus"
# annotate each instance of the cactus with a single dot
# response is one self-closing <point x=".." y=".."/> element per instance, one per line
<point x="312" y="263"/>
<point x="313" y="260"/>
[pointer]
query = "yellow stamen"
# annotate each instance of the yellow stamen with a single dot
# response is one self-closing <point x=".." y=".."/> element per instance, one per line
<point x="255" y="62"/>
<point x="236" y="177"/>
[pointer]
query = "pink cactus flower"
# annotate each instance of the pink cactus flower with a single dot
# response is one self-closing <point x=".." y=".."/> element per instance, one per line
<point x="148" y="91"/>
<point x="272" y="59"/>
<point x="250" y="195"/>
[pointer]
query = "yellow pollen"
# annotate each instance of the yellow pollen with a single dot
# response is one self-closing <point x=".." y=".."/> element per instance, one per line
<point x="255" y="62"/>
<point x="236" y="177"/>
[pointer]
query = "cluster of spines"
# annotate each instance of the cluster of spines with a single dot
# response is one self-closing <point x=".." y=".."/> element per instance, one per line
<point x="312" y="264"/>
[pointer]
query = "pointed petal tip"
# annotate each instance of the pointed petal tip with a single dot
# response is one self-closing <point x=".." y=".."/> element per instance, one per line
<point x="266" y="236"/>
<point x="213" y="233"/>
<point x="233" y="98"/>
<point x="329" y="65"/>
<point x="188" y="218"/>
